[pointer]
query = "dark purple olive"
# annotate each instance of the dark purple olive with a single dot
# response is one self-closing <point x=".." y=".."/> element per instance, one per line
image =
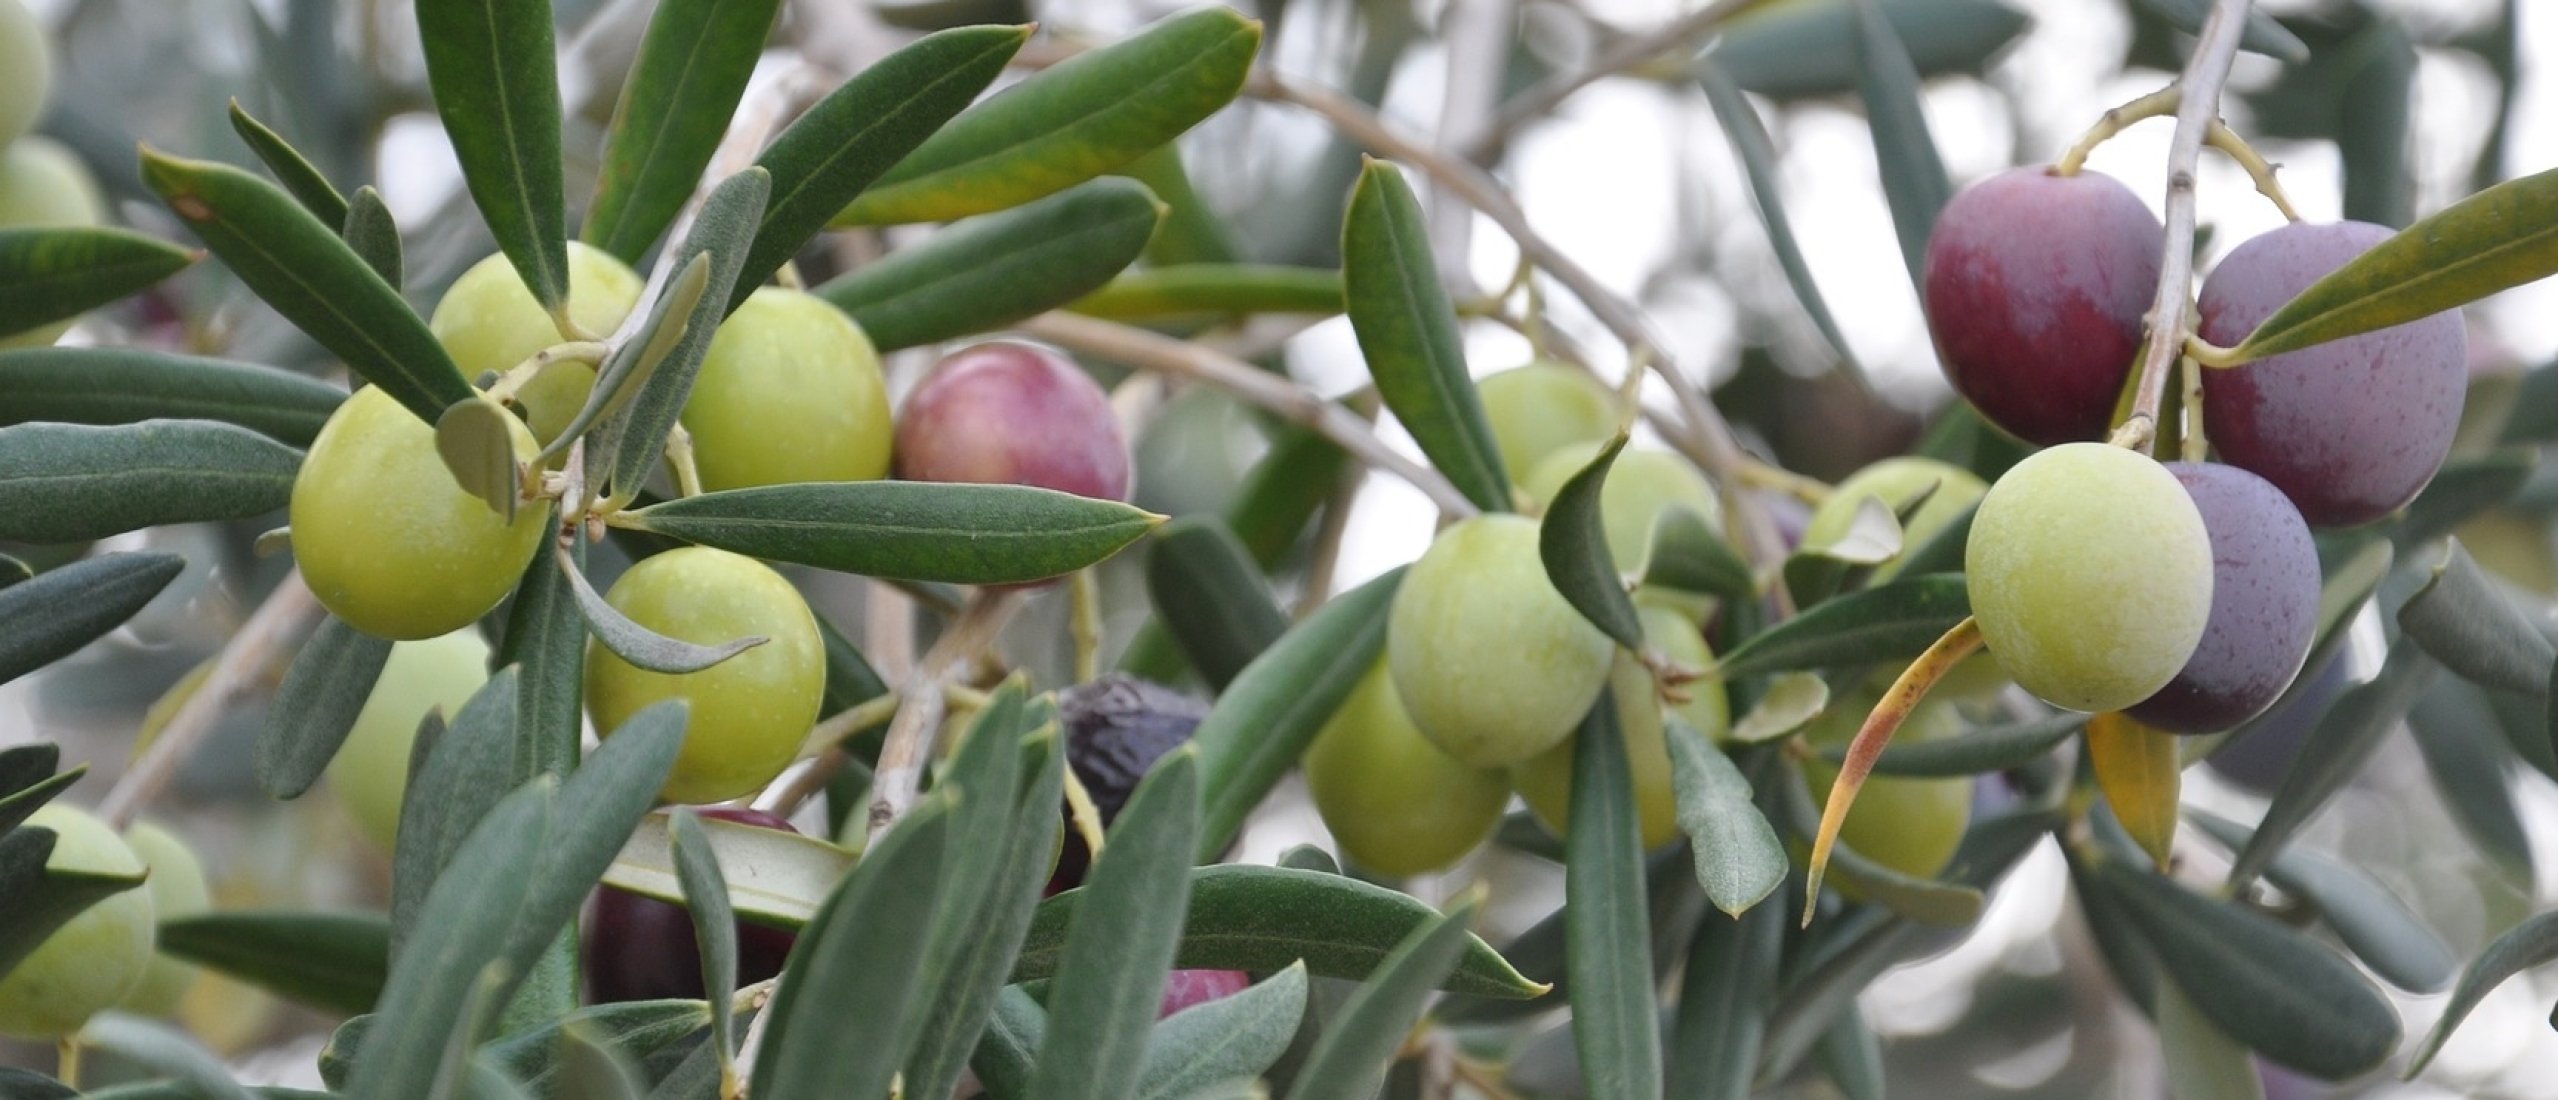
<point x="2264" y="604"/>
<point x="642" y="949"/>
<point x="1117" y="726"/>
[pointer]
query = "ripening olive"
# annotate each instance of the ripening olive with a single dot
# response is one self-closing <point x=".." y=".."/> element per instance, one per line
<point x="26" y="70"/>
<point x="1005" y="413"/>
<point x="93" y="960"/>
<point x="1546" y="781"/>
<point x="177" y="889"/>
<point x="749" y="712"/>
<point x="2091" y="575"/>
<point x="1490" y="662"/>
<point x="641" y="949"/>
<point x="1395" y="803"/>
<point x="790" y="390"/>
<point x="489" y="321"/>
<point x="1641" y="485"/>
<point x="1192" y="988"/>
<point x="386" y="538"/>
<point x="370" y="773"/>
<point x="1543" y="407"/>
<point x="42" y="185"/>
<point x="1909" y="825"/>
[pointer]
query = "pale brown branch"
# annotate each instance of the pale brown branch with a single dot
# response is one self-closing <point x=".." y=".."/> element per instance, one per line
<point x="279" y="618"/>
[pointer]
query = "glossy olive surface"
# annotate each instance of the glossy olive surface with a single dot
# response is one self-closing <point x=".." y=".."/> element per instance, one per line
<point x="789" y="391"/>
<point x="2264" y="604"/>
<point x="1396" y="803"/>
<point x="1490" y="662"/>
<point x="97" y="957"/>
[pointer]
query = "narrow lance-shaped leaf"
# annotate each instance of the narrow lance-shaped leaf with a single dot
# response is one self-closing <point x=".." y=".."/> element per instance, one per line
<point x="454" y="778"/>
<point x="1757" y="154"/>
<point x="309" y="187"/>
<point x="373" y="235"/>
<point x="990" y="271"/>
<point x="476" y="440"/>
<point x="638" y="435"/>
<point x="1893" y="622"/>
<point x="129" y="385"/>
<point x="307" y="273"/>
<point x="1606" y="925"/>
<point x="2261" y="35"/>
<point x="1914" y="182"/>
<point x="2463" y="619"/>
<point x="2455" y="725"/>
<point x="1215" y="290"/>
<point x="1688" y="555"/>
<point x="1239" y="1035"/>
<point x="495" y="75"/>
<point x="2532" y="943"/>
<point x="1206" y="588"/>
<point x="714" y="927"/>
<point x="1807" y="50"/>
<point x="984" y="772"/>
<point x="1358" y="1044"/>
<point x="334" y="962"/>
<point x="1739" y="860"/>
<point x="51" y="616"/>
<point x="2336" y="750"/>
<point x="620" y="377"/>
<point x="1723" y="1004"/>
<point x="638" y="644"/>
<point x="1407" y="329"/>
<point x="72" y="482"/>
<point x="36" y="899"/>
<point x="315" y="708"/>
<point x="906" y="530"/>
<point x="675" y="106"/>
<point x="2374" y="924"/>
<point x="1068" y="123"/>
<point x="2499" y="238"/>
<point x="546" y="637"/>
<point x="866" y="130"/>
<point x="1572" y="540"/>
<point x="52" y="274"/>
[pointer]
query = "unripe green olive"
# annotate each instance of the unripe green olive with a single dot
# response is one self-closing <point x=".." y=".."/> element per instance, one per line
<point x="750" y="712"/>
<point x="2091" y="575"/>
<point x="42" y="185"/>
<point x="26" y="70"/>
<point x="789" y="391"/>
<point x="1396" y="803"/>
<point x="1489" y="660"/>
<point x="1544" y="407"/>
<point x="1546" y="781"/>
<point x="386" y="538"/>
<point x="1896" y="482"/>
<point x="1641" y="485"/>
<point x="1909" y="825"/>
<point x="178" y="889"/>
<point x="370" y="774"/>
<point x="96" y="957"/>
<point x="489" y="321"/>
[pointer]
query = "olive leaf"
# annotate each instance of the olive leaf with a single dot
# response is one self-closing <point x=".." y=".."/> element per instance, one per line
<point x="1216" y="290"/>
<point x="491" y="65"/>
<point x="1349" y="1062"/>
<point x="333" y="962"/>
<point x="51" y="616"/>
<point x="129" y="385"/>
<point x="2463" y="619"/>
<point x="1914" y="182"/>
<point x="773" y="878"/>
<point x="1607" y="927"/>
<point x="1738" y="857"/>
<point x="640" y="645"/>
<point x="315" y="708"/>
<point x="308" y="186"/>
<point x="912" y="530"/>
<point x="1407" y="329"/>
<point x="372" y="234"/>
<point x="675" y="105"/>
<point x="476" y="440"/>
<point x="1891" y="622"/>
<point x="73" y="482"/>
<point x="635" y="437"/>
<point x="1209" y="592"/>
<point x="55" y="273"/>
<point x="35" y="899"/>
<point x="1572" y="541"/>
<point x="2532" y="943"/>
<point x="1749" y="137"/>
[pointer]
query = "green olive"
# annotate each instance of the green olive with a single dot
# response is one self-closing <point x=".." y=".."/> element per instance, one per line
<point x="789" y="391"/>
<point x="96" y="957"/>
<point x="1546" y="782"/>
<point x="1489" y="660"/>
<point x="26" y="70"/>
<point x="386" y="538"/>
<point x="42" y="185"/>
<point x="489" y="322"/>
<point x="1395" y="803"/>
<point x="1544" y="407"/>
<point x="370" y="774"/>
<point x="178" y="889"/>
<point x="1641" y="485"/>
<point x="1909" y="825"/>
<point x="750" y="712"/>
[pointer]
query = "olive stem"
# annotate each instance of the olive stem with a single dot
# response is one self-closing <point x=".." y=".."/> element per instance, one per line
<point x="1625" y="55"/>
<point x="843" y="725"/>
<point x="2258" y="168"/>
<point x="2168" y="316"/>
<point x="1087" y="625"/>
<point x="2192" y="445"/>
<point x="2116" y="120"/>
<point x="1873" y="737"/>
<point x="1163" y="354"/>
<point x="899" y="778"/>
<point x="516" y="377"/>
<point x="679" y="457"/>
<point x="280" y="617"/>
<point x="66" y="1068"/>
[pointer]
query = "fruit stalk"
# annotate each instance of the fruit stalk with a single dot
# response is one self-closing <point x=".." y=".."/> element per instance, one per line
<point x="281" y="616"/>
<point x="2170" y="314"/>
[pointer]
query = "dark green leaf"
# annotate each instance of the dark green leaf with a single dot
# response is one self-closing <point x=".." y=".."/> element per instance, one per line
<point x="1738" y="857"/>
<point x="494" y="73"/>
<point x="163" y="1050"/>
<point x="2267" y="986"/>
<point x="55" y="273"/>
<point x="2463" y="619"/>
<point x="2463" y="490"/>
<point x="1240" y="1035"/>
<point x="332" y="962"/>
<point x="35" y="900"/>
<point x="50" y="617"/>
<point x="1893" y="622"/>
<point x="2262" y="34"/>
<point x="714" y="925"/>
<point x="2454" y="725"/>
<point x="912" y="530"/>
<point x="2499" y="238"/>
<point x="1350" y="1061"/>
<point x="1808" y="49"/>
<point x="1260" y="919"/>
<point x="546" y="636"/>
<point x="1009" y="1050"/>
<point x="307" y="273"/>
<point x="373" y="235"/>
<point x="1215" y="290"/>
<point x="1207" y="589"/>
<point x="1407" y="329"/>
<point x="1120" y="943"/>
<point x="1723" y="1004"/>
<point x="316" y="706"/>
<point x="454" y="779"/>
<point x="27" y="1084"/>
<point x="29" y="779"/>
<point x="643" y="647"/>
<point x="2336" y="750"/>
<point x="1689" y="555"/>
<point x="856" y="971"/>
<point x="675" y="106"/>
<point x="1987" y="749"/>
<point x="2377" y="927"/>
<point x="1749" y="137"/>
<point x="312" y="189"/>
<point x="1914" y="182"/>
<point x="128" y="385"/>
<point x="878" y="128"/>
<point x="1193" y="232"/>
<point x="1068" y="123"/>
<point x="1266" y="718"/>
<point x="1852" y="1057"/>
<point x="70" y="482"/>
<point x="1572" y="540"/>
<point x="2532" y="943"/>
<point x="990" y="271"/>
<point x="634" y="438"/>
<point x="1606" y="926"/>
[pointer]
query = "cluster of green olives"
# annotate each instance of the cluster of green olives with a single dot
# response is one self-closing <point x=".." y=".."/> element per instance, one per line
<point x="105" y="957"/>
<point x="42" y="185"/>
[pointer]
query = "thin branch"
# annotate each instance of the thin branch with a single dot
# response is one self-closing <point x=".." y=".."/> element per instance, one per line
<point x="2204" y="76"/>
<point x="899" y="779"/>
<point x="280" y="617"/>
<point x="1625" y="55"/>
<point x="1150" y="351"/>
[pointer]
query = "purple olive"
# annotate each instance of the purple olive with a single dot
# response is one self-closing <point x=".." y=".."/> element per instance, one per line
<point x="2264" y="604"/>
<point x="1013" y="414"/>
<point x="642" y="949"/>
